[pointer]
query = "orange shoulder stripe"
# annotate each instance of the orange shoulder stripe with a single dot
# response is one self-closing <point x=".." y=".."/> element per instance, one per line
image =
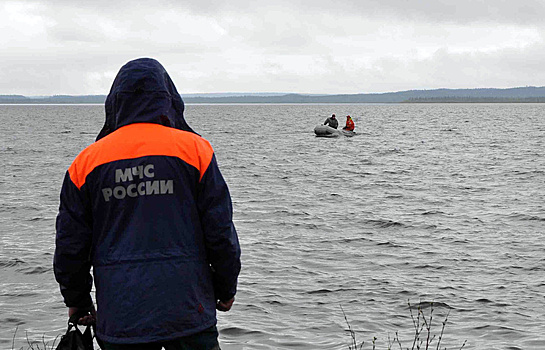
<point x="140" y="140"/>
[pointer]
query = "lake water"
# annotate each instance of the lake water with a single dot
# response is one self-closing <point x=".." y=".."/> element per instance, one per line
<point x="435" y="203"/>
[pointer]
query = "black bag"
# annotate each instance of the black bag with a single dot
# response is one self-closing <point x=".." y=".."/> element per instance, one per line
<point x="74" y="339"/>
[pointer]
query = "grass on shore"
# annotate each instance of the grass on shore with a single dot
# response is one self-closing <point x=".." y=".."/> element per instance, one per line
<point x="424" y="337"/>
<point x="35" y="345"/>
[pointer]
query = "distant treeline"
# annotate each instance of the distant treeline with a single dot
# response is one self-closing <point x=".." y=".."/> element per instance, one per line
<point x="512" y="95"/>
<point x="57" y="99"/>
<point x="523" y="94"/>
<point x="460" y="99"/>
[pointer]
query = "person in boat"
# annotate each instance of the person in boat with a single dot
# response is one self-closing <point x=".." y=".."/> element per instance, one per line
<point x="332" y="122"/>
<point x="349" y="124"/>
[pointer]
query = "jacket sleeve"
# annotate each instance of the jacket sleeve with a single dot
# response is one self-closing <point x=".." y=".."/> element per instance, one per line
<point x="221" y="240"/>
<point x="71" y="263"/>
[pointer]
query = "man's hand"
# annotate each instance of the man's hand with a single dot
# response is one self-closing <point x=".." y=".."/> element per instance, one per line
<point x="225" y="305"/>
<point x="86" y="320"/>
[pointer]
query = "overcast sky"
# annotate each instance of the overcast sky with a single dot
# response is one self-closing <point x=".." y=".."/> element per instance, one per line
<point x="319" y="46"/>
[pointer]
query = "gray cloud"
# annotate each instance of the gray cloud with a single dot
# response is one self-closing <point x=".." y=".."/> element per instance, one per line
<point x="437" y="11"/>
<point x="346" y="46"/>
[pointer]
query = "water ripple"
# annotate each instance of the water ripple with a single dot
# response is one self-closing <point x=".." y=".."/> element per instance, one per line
<point x="432" y="203"/>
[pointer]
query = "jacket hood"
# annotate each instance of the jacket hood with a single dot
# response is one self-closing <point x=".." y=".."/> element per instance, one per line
<point x="143" y="92"/>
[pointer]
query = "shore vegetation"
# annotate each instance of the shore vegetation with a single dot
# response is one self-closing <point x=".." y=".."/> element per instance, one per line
<point x="425" y="334"/>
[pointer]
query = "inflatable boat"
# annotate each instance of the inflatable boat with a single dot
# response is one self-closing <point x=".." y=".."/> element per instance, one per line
<point x="328" y="131"/>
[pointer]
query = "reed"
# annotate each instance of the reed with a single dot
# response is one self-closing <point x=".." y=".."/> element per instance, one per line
<point x="34" y="345"/>
<point x="423" y="327"/>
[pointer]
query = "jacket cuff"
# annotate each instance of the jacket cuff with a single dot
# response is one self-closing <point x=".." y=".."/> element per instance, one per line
<point x="77" y="299"/>
<point x="225" y="297"/>
<point x="223" y="294"/>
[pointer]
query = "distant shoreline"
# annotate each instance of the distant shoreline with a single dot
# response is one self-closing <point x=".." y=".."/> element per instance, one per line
<point x="3" y="103"/>
<point x="528" y="94"/>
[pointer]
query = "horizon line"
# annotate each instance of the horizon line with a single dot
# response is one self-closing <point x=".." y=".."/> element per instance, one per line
<point x="292" y="93"/>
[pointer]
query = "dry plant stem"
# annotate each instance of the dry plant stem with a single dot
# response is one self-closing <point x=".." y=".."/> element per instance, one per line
<point x="352" y="333"/>
<point x="428" y="325"/>
<point x="417" y="327"/>
<point x="443" y="331"/>
<point x="390" y="342"/>
<point x="394" y="341"/>
<point x="31" y="346"/>
<point x="398" y="341"/>
<point x="414" y="324"/>
<point x="13" y="341"/>
<point x="54" y="341"/>
<point x="349" y="328"/>
<point x="420" y="322"/>
<point x="34" y="345"/>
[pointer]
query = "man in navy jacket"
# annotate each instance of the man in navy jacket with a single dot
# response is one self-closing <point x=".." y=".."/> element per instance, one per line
<point x="147" y="207"/>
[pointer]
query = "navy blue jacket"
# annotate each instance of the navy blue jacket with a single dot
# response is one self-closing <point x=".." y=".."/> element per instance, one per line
<point x="147" y="208"/>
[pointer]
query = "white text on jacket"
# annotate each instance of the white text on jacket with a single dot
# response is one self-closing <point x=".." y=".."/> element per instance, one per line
<point x="135" y="189"/>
